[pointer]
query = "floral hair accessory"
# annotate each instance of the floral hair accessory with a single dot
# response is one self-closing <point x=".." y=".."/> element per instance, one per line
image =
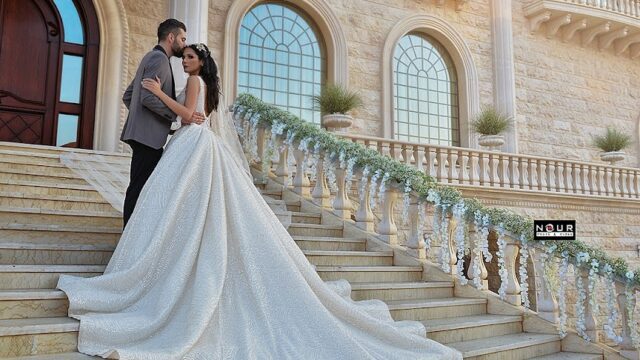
<point x="202" y="48"/>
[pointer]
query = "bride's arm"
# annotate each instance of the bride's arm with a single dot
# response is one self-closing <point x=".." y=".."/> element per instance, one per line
<point x="185" y="111"/>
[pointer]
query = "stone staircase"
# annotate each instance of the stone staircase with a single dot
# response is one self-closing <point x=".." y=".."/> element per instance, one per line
<point x="52" y="223"/>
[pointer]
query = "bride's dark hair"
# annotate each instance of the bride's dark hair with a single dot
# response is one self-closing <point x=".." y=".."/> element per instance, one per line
<point x="208" y="73"/>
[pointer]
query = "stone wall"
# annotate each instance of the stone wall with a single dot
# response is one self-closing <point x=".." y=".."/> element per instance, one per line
<point x="366" y="33"/>
<point x="566" y="93"/>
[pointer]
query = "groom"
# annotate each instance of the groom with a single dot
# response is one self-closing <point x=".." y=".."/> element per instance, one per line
<point x="149" y="120"/>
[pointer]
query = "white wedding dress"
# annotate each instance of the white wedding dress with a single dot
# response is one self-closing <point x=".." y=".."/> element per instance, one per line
<point x="204" y="270"/>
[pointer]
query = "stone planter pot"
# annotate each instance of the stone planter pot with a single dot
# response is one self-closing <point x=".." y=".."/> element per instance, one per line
<point x="337" y="122"/>
<point x="491" y="141"/>
<point x="613" y="156"/>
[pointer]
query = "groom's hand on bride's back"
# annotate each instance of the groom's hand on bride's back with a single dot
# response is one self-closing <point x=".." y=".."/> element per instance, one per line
<point x="196" y="118"/>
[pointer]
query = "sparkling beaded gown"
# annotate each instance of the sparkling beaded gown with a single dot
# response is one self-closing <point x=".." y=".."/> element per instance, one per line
<point x="204" y="270"/>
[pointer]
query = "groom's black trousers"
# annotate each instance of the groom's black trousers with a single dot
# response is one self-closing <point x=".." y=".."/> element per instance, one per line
<point x="143" y="161"/>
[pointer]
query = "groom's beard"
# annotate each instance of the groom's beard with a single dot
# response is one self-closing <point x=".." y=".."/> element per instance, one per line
<point x="177" y="52"/>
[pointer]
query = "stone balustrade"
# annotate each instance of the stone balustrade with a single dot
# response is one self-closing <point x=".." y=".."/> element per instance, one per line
<point x="462" y="166"/>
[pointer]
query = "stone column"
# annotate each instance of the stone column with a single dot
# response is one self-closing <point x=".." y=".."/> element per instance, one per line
<point x="194" y="14"/>
<point x="503" y="67"/>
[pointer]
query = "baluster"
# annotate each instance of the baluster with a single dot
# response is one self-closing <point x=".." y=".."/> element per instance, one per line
<point x="624" y="187"/>
<point x="282" y="170"/>
<point x="523" y="179"/>
<point x="593" y="180"/>
<point x="387" y="227"/>
<point x="394" y="151"/>
<point x="601" y="174"/>
<point x="415" y="242"/>
<point x="301" y="184"/>
<point x="463" y="173"/>
<point x="546" y="303"/>
<point x="485" y="169"/>
<point x="552" y="186"/>
<point x="504" y="171"/>
<point x="543" y="180"/>
<point x="432" y="162"/>
<point x="585" y="179"/>
<point x="493" y="175"/>
<point x="513" y="287"/>
<point x="636" y="183"/>
<point x="474" y="166"/>
<point x="342" y="204"/>
<point x="534" y="178"/>
<point x="577" y="179"/>
<point x="591" y="323"/>
<point x="476" y="258"/>
<point x="407" y="150"/>
<point x="418" y="155"/>
<point x="364" y="215"/>
<point x="627" y="343"/>
<point x="260" y="138"/>
<point x="321" y="194"/>
<point x="441" y="171"/>
<point x="568" y="177"/>
<point x="384" y="148"/>
<point x="560" y="176"/>
<point x="452" y="157"/>
<point x="514" y="170"/>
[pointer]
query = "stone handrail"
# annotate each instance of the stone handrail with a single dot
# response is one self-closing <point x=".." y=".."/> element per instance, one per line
<point x="505" y="170"/>
<point x="446" y="241"/>
<point x="623" y="7"/>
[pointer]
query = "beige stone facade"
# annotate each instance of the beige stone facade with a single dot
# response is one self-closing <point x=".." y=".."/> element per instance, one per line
<point x="564" y="92"/>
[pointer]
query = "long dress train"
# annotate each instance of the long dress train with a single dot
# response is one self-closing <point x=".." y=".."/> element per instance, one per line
<point x="204" y="270"/>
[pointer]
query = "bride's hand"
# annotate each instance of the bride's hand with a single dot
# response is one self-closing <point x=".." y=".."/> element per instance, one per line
<point x="152" y="85"/>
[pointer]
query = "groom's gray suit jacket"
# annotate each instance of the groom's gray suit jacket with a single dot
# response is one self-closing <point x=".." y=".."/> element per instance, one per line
<point x="149" y="120"/>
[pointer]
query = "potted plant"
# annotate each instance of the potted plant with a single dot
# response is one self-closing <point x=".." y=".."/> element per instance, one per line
<point x="612" y="144"/>
<point x="334" y="102"/>
<point x="490" y="124"/>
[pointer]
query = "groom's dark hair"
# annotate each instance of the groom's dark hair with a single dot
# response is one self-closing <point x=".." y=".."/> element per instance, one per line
<point x="170" y="26"/>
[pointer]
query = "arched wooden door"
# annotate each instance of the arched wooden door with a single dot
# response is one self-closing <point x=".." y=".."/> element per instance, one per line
<point x="48" y="61"/>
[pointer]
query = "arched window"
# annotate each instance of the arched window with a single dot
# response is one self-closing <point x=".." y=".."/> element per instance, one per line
<point x="281" y="60"/>
<point x="425" y="92"/>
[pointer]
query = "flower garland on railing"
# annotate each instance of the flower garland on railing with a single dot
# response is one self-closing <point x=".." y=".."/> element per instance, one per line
<point x="580" y="307"/>
<point x="502" y="269"/>
<point x="460" y="234"/>
<point x="562" y="300"/>
<point x="631" y="318"/>
<point x="612" y="310"/>
<point x="445" y="255"/>
<point x="593" y="281"/>
<point x="524" y="276"/>
<point x="396" y="174"/>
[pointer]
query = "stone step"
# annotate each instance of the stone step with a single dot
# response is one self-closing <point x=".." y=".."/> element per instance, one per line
<point x="22" y="337"/>
<point x="330" y="243"/>
<point x="29" y="157"/>
<point x="301" y="217"/>
<point x="273" y="194"/>
<point x="42" y="276"/>
<point x="349" y="258"/>
<point x="429" y="309"/>
<point x="370" y="273"/>
<point x="402" y="290"/>
<point x="569" y="356"/>
<point x="59" y="234"/>
<point x="37" y="168"/>
<point x="514" y="346"/>
<point x="39" y="150"/>
<point x="58" y="356"/>
<point x="13" y="175"/>
<point x="18" y="253"/>
<point x="290" y="205"/>
<point x="40" y="188"/>
<point x="296" y="229"/>
<point x="10" y="199"/>
<point x="10" y="215"/>
<point x="32" y="303"/>
<point x="465" y="328"/>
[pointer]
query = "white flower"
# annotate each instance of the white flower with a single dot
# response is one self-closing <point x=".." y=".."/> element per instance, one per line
<point x="629" y="275"/>
<point x="582" y="257"/>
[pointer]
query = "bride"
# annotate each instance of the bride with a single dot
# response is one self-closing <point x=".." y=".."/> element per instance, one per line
<point x="204" y="269"/>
